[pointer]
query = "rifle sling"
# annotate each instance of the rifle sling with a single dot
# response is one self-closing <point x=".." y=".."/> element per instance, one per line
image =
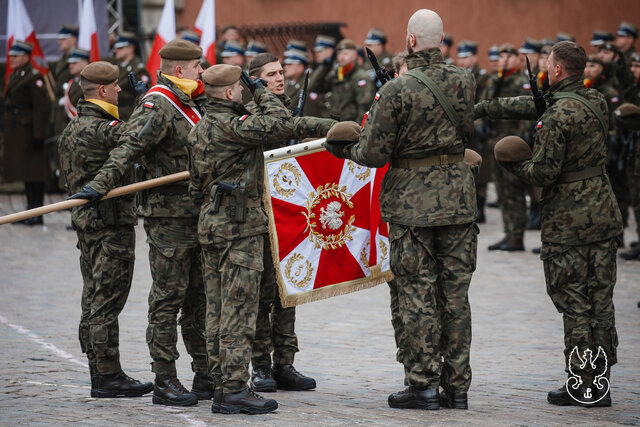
<point x="589" y="105"/>
<point x="437" y="92"/>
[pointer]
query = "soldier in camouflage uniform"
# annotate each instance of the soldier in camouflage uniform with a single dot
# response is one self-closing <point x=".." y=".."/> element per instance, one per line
<point x="351" y="88"/>
<point x="124" y="51"/>
<point x="227" y="173"/>
<point x="428" y="199"/>
<point x="580" y="217"/>
<point x="376" y="41"/>
<point x="511" y="189"/>
<point x="155" y="136"/>
<point x="106" y="238"/>
<point x="275" y="327"/>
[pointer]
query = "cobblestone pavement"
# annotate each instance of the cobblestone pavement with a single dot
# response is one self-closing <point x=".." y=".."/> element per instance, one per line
<point x="346" y="344"/>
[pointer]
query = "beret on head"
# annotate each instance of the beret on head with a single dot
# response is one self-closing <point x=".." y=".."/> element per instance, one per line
<point x="472" y="158"/>
<point x="344" y="132"/>
<point x="100" y="72"/>
<point x="221" y="75"/>
<point x="181" y="50"/>
<point x="627" y="109"/>
<point x="512" y="149"/>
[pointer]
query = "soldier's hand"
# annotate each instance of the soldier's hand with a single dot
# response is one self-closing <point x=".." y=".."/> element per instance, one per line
<point x="252" y="84"/>
<point x="89" y="194"/>
<point x="139" y="87"/>
<point x="336" y="149"/>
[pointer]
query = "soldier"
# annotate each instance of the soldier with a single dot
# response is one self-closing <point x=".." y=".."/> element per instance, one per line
<point x="233" y="53"/>
<point x="193" y="37"/>
<point x="511" y="190"/>
<point x="295" y="64"/>
<point x="78" y="60"/>
<point x="106" y="237"/>
<point x="599" y="38"/>
<point x="350" y="86"/>
<point x="67" y="40"/>
<point x="431" y="230"/>
<point x="445" y="47"/>
<point x="124" y="51"/>
<point x="26" y="113"/>
<point x="581" y="221"/>
<point x="323" y="50"/>
<point x="227" y="170"/>
<point x="626" y="37"/>
<point x="155" y="137"/>
<point x="275" y="327"/>
<point x="229" y="32"/>
<point x="494" y="56"/>
<point x="543" y="78"/>
<point x="376" y="41"/>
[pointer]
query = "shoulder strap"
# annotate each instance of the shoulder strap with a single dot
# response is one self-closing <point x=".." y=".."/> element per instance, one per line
<point x="589" y="105"/>
<point x="437" y="92"/>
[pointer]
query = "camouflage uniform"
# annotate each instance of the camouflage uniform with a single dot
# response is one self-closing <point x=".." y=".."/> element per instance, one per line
<point x="127" y="98"/>
<point x="155" y="136"/>
<point x="580" y="217"/>
<point x="430" y="211"/>
<point x="227" y="145"/>
<point x="106" y="238"/>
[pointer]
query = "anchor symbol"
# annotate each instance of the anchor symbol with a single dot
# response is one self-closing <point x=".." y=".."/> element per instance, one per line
<point x="588" y="395"/>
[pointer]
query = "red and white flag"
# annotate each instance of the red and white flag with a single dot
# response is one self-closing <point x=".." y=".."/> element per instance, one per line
<point x="206" y="26"/>
<point x="19" y="27"/>
<point x="88" y="31"/>
<point x="321" y="225"/>
<point x="166" y="32"/>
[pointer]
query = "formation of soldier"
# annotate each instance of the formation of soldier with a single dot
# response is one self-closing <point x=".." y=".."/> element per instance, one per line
<point x="210" y="259"/>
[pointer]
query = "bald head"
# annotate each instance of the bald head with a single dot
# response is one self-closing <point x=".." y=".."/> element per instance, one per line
<point x="424" y="30"/>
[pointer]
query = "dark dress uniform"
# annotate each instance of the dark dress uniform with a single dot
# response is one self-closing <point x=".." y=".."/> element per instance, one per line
<point x="127" y="98"/>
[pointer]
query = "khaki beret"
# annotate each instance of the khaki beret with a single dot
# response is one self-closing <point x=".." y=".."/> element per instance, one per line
<point x="346" y="44"/>
<point x="181" y="50"/>
<point x="344" y="132"/>
<point x="508" y="48"/>
<point x="627" y="109"/>
<point x="221" y="75"/>
<point x="472" y="158"/>
<point x="100" y="72"/>
<point x="512" y="149"/>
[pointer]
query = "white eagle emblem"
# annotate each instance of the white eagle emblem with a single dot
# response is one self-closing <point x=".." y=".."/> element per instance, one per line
<point x="330" y="215"/>
<point x="600" y="381"/>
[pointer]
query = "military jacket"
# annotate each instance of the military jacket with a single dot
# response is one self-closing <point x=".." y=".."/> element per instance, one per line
<point x="73" y="91"/>
<point x="155" y="136"/>
<point x="313" y="103"/>
<point x="83" y="147"/>
<point x="127" y="97"/>
<point x="227" y="145"/>
<point x="60" y="71"/>
<point x="569" y="138"/>
<point x="612" y="96"/>
<point x="407" y="122"/>
<point x="515" y="84"/>
<point x="350" y="97"/>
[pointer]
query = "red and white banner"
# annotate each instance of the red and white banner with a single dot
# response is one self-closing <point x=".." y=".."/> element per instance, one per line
<point x="325" y="236"/>
<point x="19" y="27"/>
<point x="88" y="31"/>
<point x="166" y="32"/>
<point x="206" y="26"/>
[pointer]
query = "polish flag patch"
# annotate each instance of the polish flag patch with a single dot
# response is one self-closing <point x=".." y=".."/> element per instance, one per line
<point x="526" y="86"/>
<point x="539" y="125"/>
<point x="313" y="96"/>
<point x="113" y="123"/>
<point x="243" y="117"/>
<point x="377" y="97"/>
<point x="39" y="83"/>
<point x="148" y="104"/>
<point x="362" y="82"/>
<point x="615" y="100"/>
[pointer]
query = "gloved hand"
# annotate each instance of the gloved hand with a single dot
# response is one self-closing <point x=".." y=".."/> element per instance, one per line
<point x="337" y="148"/>
<point x="89" y="194"/>
<point x="139" y="87"/>
<point x="252" y="84"/>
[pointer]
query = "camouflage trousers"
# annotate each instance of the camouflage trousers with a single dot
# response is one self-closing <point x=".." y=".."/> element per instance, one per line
<point x="580" y="282"/>
<point x="433" y="268"/>
<point x="175" y="257"/>
<point x="513" y="203"/>
<point x="275" y="327"/>
<point x="396" y="321"/>
<point x="106" y="262"/>
<point x="232" y="274"/>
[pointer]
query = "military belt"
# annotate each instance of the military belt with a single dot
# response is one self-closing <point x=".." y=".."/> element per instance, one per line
<point x="169" y="189"/>
<point x="581" y="175"/>
<point x="441" y="160"/>
<point x="251" y="203"/>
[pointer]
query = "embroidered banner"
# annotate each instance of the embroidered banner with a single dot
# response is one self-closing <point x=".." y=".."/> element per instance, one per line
<point x="326" y="237"/>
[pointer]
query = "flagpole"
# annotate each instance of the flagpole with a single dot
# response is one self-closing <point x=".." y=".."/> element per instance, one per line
<point x="293" y="150"/>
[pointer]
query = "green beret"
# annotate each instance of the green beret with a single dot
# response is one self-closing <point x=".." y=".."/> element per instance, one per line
<point x="344" y="132"/>
<point x="472" y="158"/>
<point x="221" y="75"/>
<point x="181" y="50"/>
<point x="627" y="109"/>
<point x="100" y="72"/>
<point x="346" y="44"/>
<point x="512" y="149"/>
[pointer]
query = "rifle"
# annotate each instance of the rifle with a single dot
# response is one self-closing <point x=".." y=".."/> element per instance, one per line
<point x="302" y="97"/>
<point x="382" y="74"/>
<point x="538" y="95"/>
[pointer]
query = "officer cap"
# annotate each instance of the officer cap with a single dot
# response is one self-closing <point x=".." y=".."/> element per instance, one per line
<point x="67" y="31"/>
<point x="546" y="41"/>
<point x="344" y="132"/>
<point x="324" y="42"/>
<point x="296" y="57"/>
<point x="20" y="47"/>
<point x="255" y="47"/>
<point x="472" y="158"/>
<point x="494" y="53"/>
<point x="600" y="37"/>
<point x="77" y="55"/>
<point x="546" y="50"/>
<point x="530" y="46"/>
<point x="627" y="109"/>
<point x="180" y="50"/>
<point x="221" y="75"/>
<point x="190" y="36"/>
<point x="512" y="149"/>
<point x="608" y="46"/>
<point x="100" y="72"/>
<point x="447" y="40"/>
<point x="508" y="48"/>
<point x="346" y="44"/>
<point x="232" y="48"/>
<point x="467" y="48"/>
<point x="376" y="36"/>
<point x="627" y="29"/>
<point x="565" y="37"/>
<point x="595" y="58"/>
<point x="298" y="45"/>
<point x="125" y="38"/>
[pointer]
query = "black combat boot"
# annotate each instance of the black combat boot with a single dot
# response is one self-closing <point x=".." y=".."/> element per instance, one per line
<point x="262" y="379"/>
<point x="93" y="372"/>
<point x="534" y="216"/>
<point x="203" y="385"/>
<point x="496" y="245"/>
<point x="512" y="244"/>
<point x="168" y="390"/>
<point x="243" y="402"/>
<point x="288" y="378"/>
<point x="588" y="397"/>
<point x="119" y="385"/>
<point x="413" y="398"/>
<point x="450" y="399"/>
<point x="631" y="254"/>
